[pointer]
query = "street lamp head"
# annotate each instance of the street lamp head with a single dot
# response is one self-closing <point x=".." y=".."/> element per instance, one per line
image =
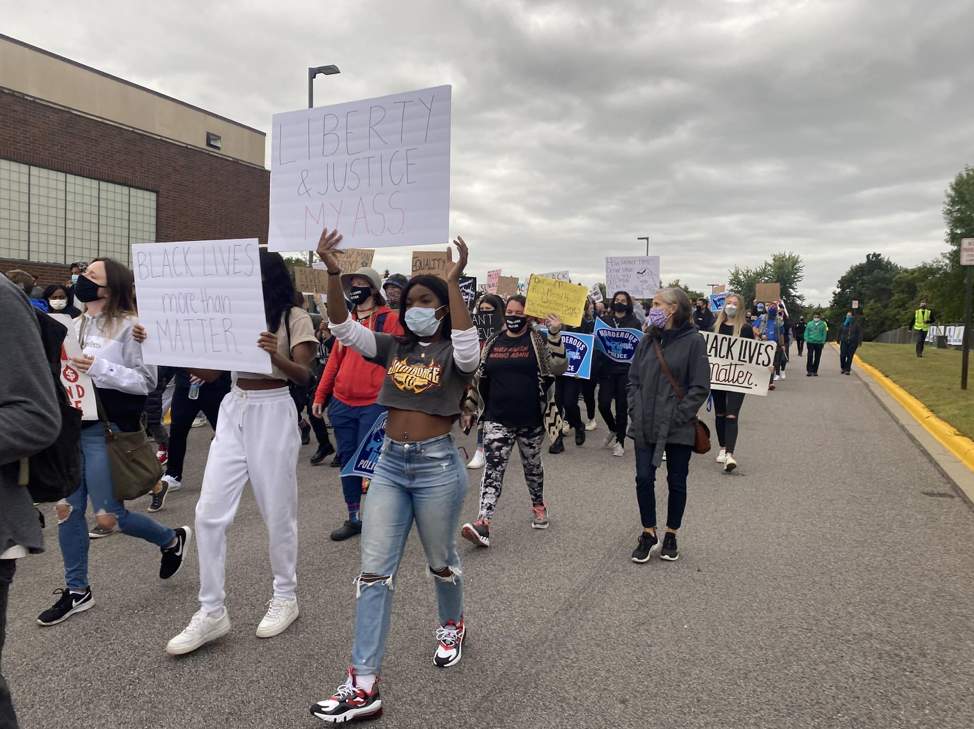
<point x="329" y="70"/>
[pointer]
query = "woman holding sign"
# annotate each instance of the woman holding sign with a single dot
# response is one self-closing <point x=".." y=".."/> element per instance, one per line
<point x="419" y="475"/>
<point x="727" y="405"/>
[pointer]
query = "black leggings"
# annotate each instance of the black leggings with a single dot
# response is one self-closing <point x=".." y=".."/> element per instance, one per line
<point x="567" y="391"/>
<point x="184" y="412"/>
<point x="613" y="388"/>
<point x="727" y="408"/>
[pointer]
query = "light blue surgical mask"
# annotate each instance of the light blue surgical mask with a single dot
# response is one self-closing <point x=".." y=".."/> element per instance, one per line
<point x="422" y="321"/>
<point x="74" y="278"/>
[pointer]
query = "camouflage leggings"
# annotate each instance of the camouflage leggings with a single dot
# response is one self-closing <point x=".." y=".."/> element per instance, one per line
<point x="498" y="443"/>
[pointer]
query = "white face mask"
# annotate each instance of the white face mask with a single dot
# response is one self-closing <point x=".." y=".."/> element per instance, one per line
<point x="58" y="304"/>
<point x="731" y="310"/>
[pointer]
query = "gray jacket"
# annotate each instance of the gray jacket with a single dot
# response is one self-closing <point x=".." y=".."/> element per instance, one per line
<point x="657" y="416"/>
<point x="29" y="416"/>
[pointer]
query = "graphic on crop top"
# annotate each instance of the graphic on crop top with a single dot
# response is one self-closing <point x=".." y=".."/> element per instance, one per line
<point x="417" y="377"/>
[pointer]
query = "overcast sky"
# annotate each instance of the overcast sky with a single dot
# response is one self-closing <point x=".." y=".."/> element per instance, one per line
<point x="725" y="131"/>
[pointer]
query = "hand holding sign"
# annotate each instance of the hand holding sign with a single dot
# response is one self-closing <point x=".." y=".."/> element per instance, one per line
<point x="82" y="363"/>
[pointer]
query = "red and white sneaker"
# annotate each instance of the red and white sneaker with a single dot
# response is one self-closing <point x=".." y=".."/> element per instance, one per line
<point x="450" y="649"/>
<point x="478" y="533"/>
<point x="163" y="455"/>
<point x="351" y="702"/>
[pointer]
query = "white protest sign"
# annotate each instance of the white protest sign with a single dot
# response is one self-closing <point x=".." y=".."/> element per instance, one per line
<point x="638" y="276"/>
<point x="492" y="277"/>
<point x="201" y="304"/>
<point x="556" y="275"/>
<point x="738" y="364"/>
<point x="967" y="252"/>
<point x="78" y="385"/>
<point x="377" y="170"/>
<point x="595" y="293"/>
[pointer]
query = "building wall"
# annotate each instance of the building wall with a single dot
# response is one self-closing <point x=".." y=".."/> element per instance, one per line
<point x="36" y="73"/>
<point x="201" y="196"/>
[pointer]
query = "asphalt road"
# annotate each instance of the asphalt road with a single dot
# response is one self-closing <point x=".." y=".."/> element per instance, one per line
<point x="826" y="584"/>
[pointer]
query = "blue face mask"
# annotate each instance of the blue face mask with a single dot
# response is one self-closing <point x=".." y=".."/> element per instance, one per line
<point x="74" y="278"/>
<point x="422" y="322"/>
<point x="848" y="320"/>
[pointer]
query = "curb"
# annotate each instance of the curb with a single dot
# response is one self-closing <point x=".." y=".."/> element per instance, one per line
<point x="961" y="446"/>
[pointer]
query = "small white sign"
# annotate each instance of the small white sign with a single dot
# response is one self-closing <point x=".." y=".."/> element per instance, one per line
<point x="855" y="304"/>
<point x="638" y="276"/>
<point x="967" y="252"/>
<point x="595" y="293"/>
<point x="202" y="304"/>
<point x="738" y="364"/>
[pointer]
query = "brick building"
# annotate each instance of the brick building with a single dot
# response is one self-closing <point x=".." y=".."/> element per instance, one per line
<point x="90" y="164"/>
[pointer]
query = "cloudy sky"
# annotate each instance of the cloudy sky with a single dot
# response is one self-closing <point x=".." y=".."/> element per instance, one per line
<point x="724" y="130"/>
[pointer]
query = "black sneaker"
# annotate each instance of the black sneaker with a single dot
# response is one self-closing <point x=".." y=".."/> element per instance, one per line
<point x="99" y="532"/>
<point x="579" y="436"/>
<point x="669" y="552"/>
<point x="558" y="446"/>
<point x="306" y="435"/>
<point x="173" y="557"/>
<point x="322" y="453"/>
<point x="350" y="703"/>
<point x="478" y="533"/>
<point x="335" y="463"/>
<point x="450" y="649"/>
<point x="644" y="548"/>
<point x="66" y="606"/>
<point x="348" y="530"/>
<point x="159" y="499"/>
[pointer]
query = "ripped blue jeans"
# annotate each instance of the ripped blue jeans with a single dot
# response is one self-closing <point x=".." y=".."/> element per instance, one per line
<point x="425" y="482"/>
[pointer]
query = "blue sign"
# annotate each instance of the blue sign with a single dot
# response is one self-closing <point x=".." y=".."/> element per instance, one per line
<point x="367" y="455"/>
<point x="717" y="301"/>
<point x="616" y="344"/>
<point x="580" y="349"/>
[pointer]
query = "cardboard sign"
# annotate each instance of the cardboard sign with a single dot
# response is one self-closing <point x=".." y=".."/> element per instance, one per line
<point x="738" y="364"/>
<point x="492" y="277"/>
<point x="719" y="289"/>
<point x="506" y="286"/>
<point x="557" y="275"/>
<point x="548" y="295"/>
<point x="310" y="280"/>
<point x="367" y="455"/>
<point x="595" y="293"/>
<point x="580" y="349"/>
<point x="377" y="170"/>
<point x="352" y="259"/>
<point x="617" y="344"/>
<point x="202" y="304"/>
<point x="717" y="301"/>
<point x="488" y="324"/>
<point x="468" y="287"/>
<point x="429" y="262"/>
<point x="638" y="276"/>
<point x="78" y="385"/>
<point x="766" y="292"/>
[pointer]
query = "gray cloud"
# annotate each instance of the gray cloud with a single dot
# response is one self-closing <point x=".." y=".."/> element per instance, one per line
<point x="725" y="131"/>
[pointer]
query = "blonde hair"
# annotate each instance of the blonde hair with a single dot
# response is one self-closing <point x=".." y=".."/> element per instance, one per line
<point x="738" y="322"/>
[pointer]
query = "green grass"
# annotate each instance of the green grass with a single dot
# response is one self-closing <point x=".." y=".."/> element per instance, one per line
<point x="934" y="380"/>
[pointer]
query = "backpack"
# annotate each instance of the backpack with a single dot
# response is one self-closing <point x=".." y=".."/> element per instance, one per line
<point x="55" y="472"/>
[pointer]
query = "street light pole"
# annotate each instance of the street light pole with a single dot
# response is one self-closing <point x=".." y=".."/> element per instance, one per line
<point x="329" y="70"/>
<point x="645" y="238"/>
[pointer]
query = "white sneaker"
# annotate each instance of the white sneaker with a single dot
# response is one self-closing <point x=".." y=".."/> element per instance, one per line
<point x="730" y="464"/>
<point x="203" y="628"/>
<point x="280" y="614"/>
<point x="783" y="375"/>
<point x="721" y="456"/>
<point x="609" y="439"/>
<point x="174" y="483"/>
<point x="619" y="450"/>
<point x="777" y="377"/>
<point x="200" y="421"/>
<point x="591" y="425"/>
<point x="477" y="461"/>
<point x="566" y="429"/>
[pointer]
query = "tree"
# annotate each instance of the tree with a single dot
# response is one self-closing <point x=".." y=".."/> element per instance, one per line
<point x="871" y="284"/>
<point x="385" y="274"/>
<point x="786" y="269"/>
<point x="744" y="281"/>
<point x="948" y="285"/>
<point x="694" y="295"/>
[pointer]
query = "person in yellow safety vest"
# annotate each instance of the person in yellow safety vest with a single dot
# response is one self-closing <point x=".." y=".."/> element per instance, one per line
<point x="922" y="319"/>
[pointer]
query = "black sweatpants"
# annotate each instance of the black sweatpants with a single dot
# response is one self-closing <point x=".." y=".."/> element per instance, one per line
<point x="727" y="408"/>
<point x="567" y="392"/>
<point x="921" y="340"/>
<point x="184" y="412"/>
<point x="612" y="388"/>
<point x="8" y="719"/>
<point x="814" y="357"/>
<point x="677" y="470"/>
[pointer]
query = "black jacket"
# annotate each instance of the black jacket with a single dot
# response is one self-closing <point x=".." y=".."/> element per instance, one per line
<point x="800" y="332"/>
<point x="609" y="367"/>
<point x="703" y="319"/>
<point x="851" y="332"/>
<point x="657" y="415"/>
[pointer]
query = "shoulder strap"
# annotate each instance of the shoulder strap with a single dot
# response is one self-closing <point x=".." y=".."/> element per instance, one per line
<point x="287" y="328"/>
<point x="380" y="321"/>
<point x="666" y="370"/>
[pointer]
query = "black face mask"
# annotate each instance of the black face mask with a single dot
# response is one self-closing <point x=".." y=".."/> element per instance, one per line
<point x="359" y="294"/>
<point x="619" y="306"/>
<point x="515" y="323"/>
<point x="86" y="290"/>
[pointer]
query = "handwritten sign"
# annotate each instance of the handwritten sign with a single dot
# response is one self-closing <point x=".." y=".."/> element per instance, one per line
<point x="507" y="286"/>
<point x="492" y="277"/>
<point x="487" y="323"/>
<point x="618" y="345"/>
<point x="378" y="170"/>
<point x="595" y="293"/>
<point x="352" y="259"/>
<point x="201" y="304"/>
<point x="738" y="364"/>
<point x="580" y="348"/>
<point x="556" y="275"/>
<point x="429" y="262"/>
<point x="638" y="276"/>
<point x="81" y="392"/>
<point x="717" y="301"/>
<point x="367" y="455"/>
<point x="468" y="287"/>
<point x="767" y="292"/>
<point x="309" y="280"/>
<point x="548" y="295"/>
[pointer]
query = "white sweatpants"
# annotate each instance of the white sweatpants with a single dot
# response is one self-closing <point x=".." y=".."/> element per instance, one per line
<point x="257" y="438"/>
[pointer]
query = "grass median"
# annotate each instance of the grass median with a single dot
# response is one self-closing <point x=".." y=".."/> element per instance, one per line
<point x="933" y="379"/>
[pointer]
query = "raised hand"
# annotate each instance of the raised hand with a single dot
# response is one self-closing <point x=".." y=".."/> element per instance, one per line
<point x="327" y="244"/>
<point x="455" y="270"/>
<point x="554" y="323"/>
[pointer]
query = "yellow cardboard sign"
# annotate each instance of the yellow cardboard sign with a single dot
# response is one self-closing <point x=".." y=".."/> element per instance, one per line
<point x="550" y="296"/>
